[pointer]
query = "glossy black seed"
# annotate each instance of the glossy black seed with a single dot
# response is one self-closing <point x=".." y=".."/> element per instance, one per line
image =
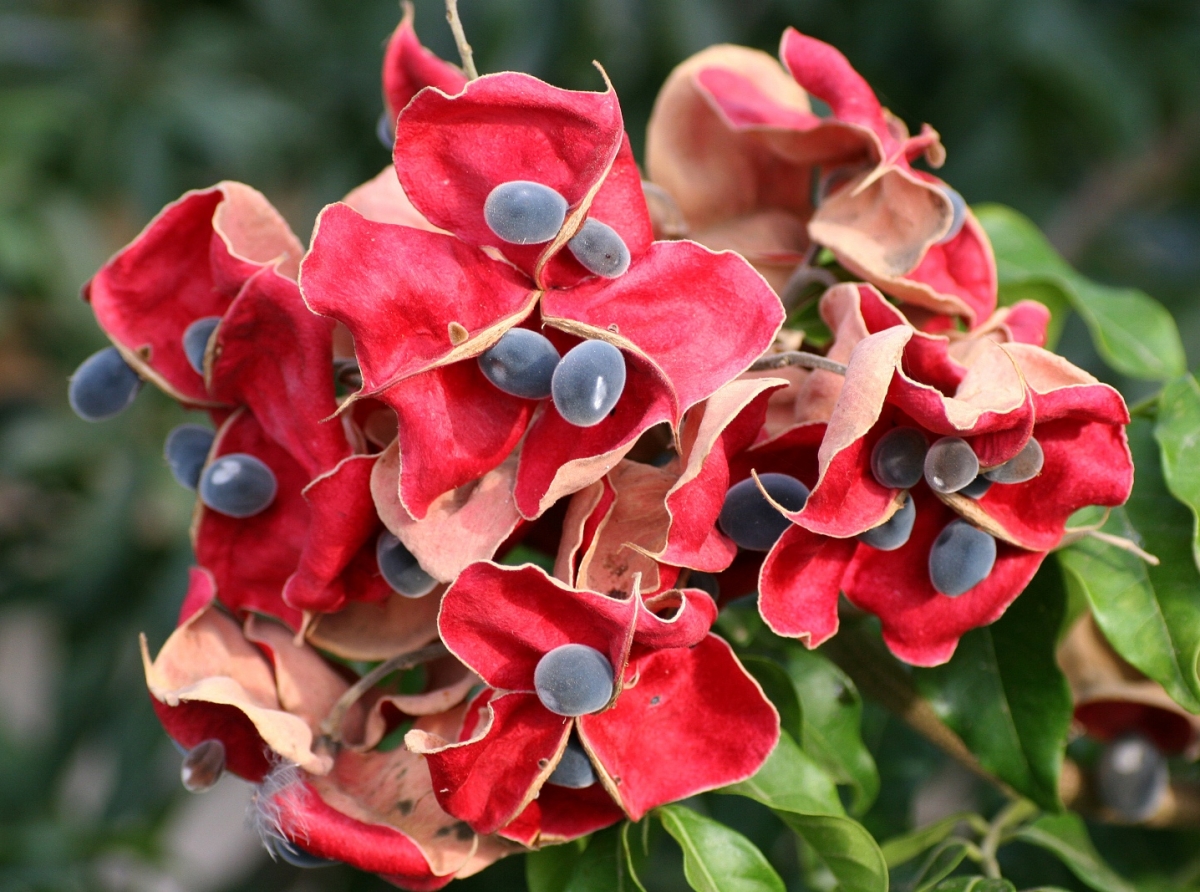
<point x="706" y="582"/>
<point x="976" y="488"/>
<point x="1025" y="465"/>
<point x="599" y="249"/>
<point x="962" y="557"/>
<point x="574" y="679"/>
<point x="898" y="459"/>
<point x="288" y="851"/>
<point x="950" y="464"/>
<point x="203" y="766"/>
<point x="195" y="341"/>
<point x="521" y="363"/>
<point x="385" y="129"/>
<point x="959" y="206"/>
<point x="103" y="386"/>
<point x="1132" y="777"/>
<point x="186" y="451"/>
<point x="238" y="485"/>
<point x="400" y="569"/>
<point x="574" y="769"/>
<point x="750" y="520"/>
<point x="588" y="382"/>
<point x="893" y="532"/>
<point x="524" y="213"/>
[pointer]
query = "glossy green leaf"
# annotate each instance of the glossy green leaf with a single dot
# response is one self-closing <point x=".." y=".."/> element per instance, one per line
<point x="939" y="864"/>
<point x="1132" y="332"/>
<point x="573" y="868"/>
<point x="974" y="884"/>
<point x="1177" y="431"/>
<point x="716" y="858"/>
<point x="831" y="709"/>
<point x="1066" y="836"/>
<point x="1004" y="694"/>
<point x="790" y="784"/>
<point x="901" y="849"/>
<point x="779" y="690"/>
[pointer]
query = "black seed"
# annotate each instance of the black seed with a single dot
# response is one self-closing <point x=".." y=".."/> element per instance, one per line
<point x="976" y="488"/>
<point x="400" y="569"/>
<point x="524" y="213"/>
<point x="521" y="363"/>
<point x="893" y="532"/>
<point x="574" y="769"/>
<point x="750" y="520"/>
<point x="599" y="249"/>
<point x="238" y="485"/>
<point x="588" y="382"/>
<point x="186" y="450"/>
<point x="195" y="341"/>
<point x="962" y="557"/>
<point x="574" y="679"/>
<point x="898" y="459"/>
<point x="103" y="386"/>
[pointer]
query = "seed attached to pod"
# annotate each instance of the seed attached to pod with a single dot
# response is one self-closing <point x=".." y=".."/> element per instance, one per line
<point x="203" y="766"/>
<point x="521" y="363"/>
<point x="894" y="531"/>
<point x="195" y="341"/>
<point x="750" y="520"/>
<point x="898" y="459"/>
<point x="1025" y="465"/>
<point x="587" y="382"/>
<point x="1132" y="777"/>
<point x="977" y="488"/>
<point x="574" y="770"/>
<point x="186" y="450"/>
<point x="962" y="557"/>
<point x="400" y="569"/>
<point x="103" y="386"/>
<point x="950" y="464"/>
<point x="524" y="213"/>
<point x="959" y="207"/>
<point x="599" y="249"/>
<point x="574" y="679"/>
<point x="238" y="485"/>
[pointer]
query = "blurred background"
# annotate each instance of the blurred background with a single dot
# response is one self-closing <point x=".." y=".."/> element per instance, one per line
<point x="1083" y="114"/>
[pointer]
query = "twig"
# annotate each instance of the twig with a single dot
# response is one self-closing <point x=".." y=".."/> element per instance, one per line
<point x="460" y="38"/>
<point x="1012" y="814"/>
<point x="803" y="276"/>
<point x="1125" y="545"/>
<point x="799" y="358"/>
<point x="331" y="727"/>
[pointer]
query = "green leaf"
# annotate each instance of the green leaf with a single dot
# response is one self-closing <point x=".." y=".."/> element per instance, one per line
<point x="790" y="784"/>
<point x="779" y="690"/>
<point x="831" y="709"/>
<point x="901" y="849"/>
<point x="1004" y="694"/>
<point x="942" y="862"/>
<point x="716" y="858"/>
<point x="1066" y="836"/>
<point x="790" y="780"/>
<point x="1148" y="614"/>
<point x="1178" y="434"/>
<point x="1132" y="332"/>
<point x="974" y="884"/>
<point x="1046" y="293"/>
<point x="572" y="868"/>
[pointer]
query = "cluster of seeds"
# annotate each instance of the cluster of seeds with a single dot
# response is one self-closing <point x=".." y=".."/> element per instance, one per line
<point x="962" y="556"/>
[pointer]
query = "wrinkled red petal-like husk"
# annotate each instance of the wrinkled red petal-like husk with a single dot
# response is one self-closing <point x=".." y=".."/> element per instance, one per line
<point x="1027" y="320"/>
<point x="500" y="621"/>
<point x="800" y="582"/>
<point x="321" y="830"/>
<point x="488" y="780"/>
<point x="189" y="262"/>
<point x="275" y="356"/>
<point x="701" y="722"/>
<point x="682" y="283"/>
<point x="382" y="200"/>
<point x="622" y="205"/>
<point x="408" y="67"/>
<point x="251" y="558"/>
<point x="202" y="590"/>
<point x="675" y="618"/>
<point x="558" y="458"/>
<point x="342" y="523"/>
<point x="398" y="290"/>
<point x="1109" y="719"/>
<point x="193" y="721"/>
<point x="455" y="426"/>
<point x="560" y="814"/>
<point x="827" y="74"/>
<point x="921" y="626"/>
<point x="1086" y="463"/>
<point x="452" y="151"/>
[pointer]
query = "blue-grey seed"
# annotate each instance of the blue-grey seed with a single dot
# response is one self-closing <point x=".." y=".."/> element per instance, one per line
<point x="599" y="249"/>
<point x="291" y="853"/>
<point x="977" y="488"/>
<point x="1132" y="777"/>
<point x="103" y="386"/>
<point x="750" y="520"/>
<point x="706" y="582"/>
<point x="574" y="769"/>
<point x="587" y="382"/>
<point x="962" y="556"/>
<point x="203" y="766"/>
<point x="959" y="207"/>
<point x="894" y="531"/>
<point x="195" y="341"/>
<point x="524" y="213"/>
<point x="238" y="485"/>
<point x="1025" y="465"/>
<point x="574" y="679"/>
<point x="950" y="464"/>
<point x="385" y="129"/>
<point x="898" y="459"/>
<point x="400" y="569"/>
<point x="186" y="450"/>
<point x="521" y="363"/>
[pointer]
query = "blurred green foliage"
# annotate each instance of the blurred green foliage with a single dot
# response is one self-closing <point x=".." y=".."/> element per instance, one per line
<point x="1083" y="114"/>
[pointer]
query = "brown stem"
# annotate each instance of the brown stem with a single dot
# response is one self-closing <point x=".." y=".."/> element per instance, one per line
<point x="331" y="727"/>
<point x="1125" y="545"/>
<point x="460" y="39"/>
<point x="798" y="358"/>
